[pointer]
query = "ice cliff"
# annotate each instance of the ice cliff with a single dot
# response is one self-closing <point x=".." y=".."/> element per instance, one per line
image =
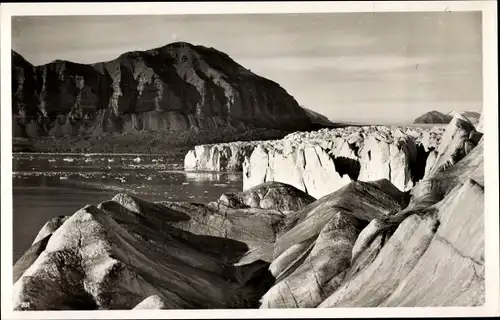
<point x="176" y="87"/>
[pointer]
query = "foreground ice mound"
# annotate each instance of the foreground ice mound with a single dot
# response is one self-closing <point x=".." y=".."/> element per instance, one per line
<point x="269" y="195"/>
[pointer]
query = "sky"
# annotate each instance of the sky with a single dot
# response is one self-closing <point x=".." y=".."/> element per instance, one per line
<point x="387" y="67"/>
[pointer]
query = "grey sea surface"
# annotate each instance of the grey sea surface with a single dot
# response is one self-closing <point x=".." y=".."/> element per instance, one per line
<point x="49" y="185"/>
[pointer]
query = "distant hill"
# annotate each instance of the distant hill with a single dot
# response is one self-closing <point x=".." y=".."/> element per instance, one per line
<point x="442" y="118"/>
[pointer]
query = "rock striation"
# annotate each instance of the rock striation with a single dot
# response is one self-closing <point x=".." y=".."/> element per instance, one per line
<point x="173" y="88"/>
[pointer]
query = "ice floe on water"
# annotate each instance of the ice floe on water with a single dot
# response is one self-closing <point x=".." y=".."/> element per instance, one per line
<point x="155" y="176"/>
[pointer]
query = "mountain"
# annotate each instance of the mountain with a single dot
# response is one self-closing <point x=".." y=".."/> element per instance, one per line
<point x="177" y="87"/>
<point x="439" y="117"/>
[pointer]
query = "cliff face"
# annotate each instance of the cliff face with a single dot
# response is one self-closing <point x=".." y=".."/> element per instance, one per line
<point x="176" y="87"/>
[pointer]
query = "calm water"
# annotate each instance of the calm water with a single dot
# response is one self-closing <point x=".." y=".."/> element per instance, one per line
<point x="49" y="185"/>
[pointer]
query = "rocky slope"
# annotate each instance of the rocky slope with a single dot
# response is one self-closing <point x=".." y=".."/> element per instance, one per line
<point x="174" y="88"/>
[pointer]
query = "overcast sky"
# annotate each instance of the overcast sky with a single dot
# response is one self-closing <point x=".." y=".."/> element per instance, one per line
<point x="364" y="67"/>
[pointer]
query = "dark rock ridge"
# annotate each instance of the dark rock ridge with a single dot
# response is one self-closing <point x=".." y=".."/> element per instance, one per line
<point x="176" y="87"/>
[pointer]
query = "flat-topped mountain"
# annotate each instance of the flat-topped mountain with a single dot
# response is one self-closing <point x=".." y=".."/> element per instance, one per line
<point x="365" y="244"/>
<point x="439" y="117"/>
<point x="177" y="87"/>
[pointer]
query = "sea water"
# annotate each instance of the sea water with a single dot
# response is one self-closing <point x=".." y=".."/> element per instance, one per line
<point x="49" y="185"/>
